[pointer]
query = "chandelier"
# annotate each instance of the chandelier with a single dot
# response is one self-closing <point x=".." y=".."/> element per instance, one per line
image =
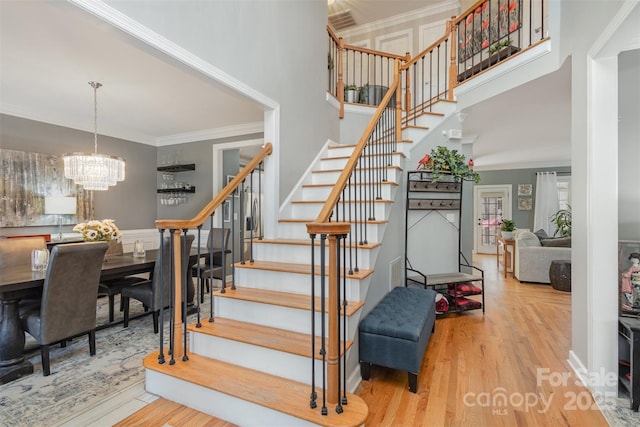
<point x="94" y="171"/>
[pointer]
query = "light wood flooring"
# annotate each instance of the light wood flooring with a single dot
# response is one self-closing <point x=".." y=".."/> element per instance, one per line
<point x="478" y="370"/>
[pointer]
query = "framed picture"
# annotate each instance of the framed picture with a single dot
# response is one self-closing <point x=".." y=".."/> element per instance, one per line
<point x="229" y="179"/>
<point x="226" y="211"/>
<point x="524" y="203"/>
<point x="629" y="278"/>
<point x="525" y="189"/>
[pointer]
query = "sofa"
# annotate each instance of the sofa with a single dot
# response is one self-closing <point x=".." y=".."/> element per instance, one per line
<point x="534" y="253"/>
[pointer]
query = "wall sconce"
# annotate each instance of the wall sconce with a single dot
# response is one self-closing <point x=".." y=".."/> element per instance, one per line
<point x="59" y="205"/>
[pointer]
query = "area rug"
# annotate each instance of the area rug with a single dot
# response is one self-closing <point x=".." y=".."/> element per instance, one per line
<point x="79" y="381"/>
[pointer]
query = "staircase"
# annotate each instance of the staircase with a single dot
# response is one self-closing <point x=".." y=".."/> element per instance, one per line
<point x="252" y="365"/>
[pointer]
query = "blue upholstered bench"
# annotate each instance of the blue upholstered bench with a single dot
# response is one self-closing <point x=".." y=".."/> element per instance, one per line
<point x="396" y="332"/>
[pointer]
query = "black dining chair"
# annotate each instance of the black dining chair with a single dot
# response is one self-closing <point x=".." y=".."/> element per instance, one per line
<point x="217" y="240"/>
<point x="111" y="288"/>
<point x="151" y="292"/>
<point x="68" y="305"/>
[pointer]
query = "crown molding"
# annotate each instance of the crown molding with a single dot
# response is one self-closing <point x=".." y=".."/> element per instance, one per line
<point x="403" y="18"/>
<point x="208" y="134"/>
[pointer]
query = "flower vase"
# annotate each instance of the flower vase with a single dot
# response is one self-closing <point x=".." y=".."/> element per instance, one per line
<point x="113" y="249"/>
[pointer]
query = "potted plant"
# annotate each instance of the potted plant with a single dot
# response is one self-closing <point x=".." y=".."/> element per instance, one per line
<point x="506" y="229"/>
<point x="351" y="93"/>
<point x="363" y="91"/>
<point x="562" y="221"/>
<point x="499" y="45"/>
<point x="443" y="161"/>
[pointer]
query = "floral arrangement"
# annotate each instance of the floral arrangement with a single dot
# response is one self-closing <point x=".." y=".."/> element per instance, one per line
<point x="442" y="160"/>
<point x="97" y="230"/>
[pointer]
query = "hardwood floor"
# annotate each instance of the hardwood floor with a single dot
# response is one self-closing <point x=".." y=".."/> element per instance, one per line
<point x="506" y="368"/>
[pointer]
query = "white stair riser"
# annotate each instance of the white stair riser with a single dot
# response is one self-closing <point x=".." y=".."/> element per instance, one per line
<point x="340" y="151"/>
<point x="274" y="362"/>
<point x="293" y="283"/>
<point x="287" y="318"/>
<point x="376" y="161"/>
<point x="217" y="404"/>
<point x="302" y="254"/>
<point x="298" y="230"/>
<point x="381" y="210"/>
<point x="393" y="175"/>
<point x="383" y="191"/>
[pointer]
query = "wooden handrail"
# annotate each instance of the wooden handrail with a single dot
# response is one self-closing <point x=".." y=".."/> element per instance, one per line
<point x="374" y="52"/>
<point x="422" y="54"/>
<point x="215" y="203"/>
<point x="332" y="200"/>
<point x="467" y="12"/>
<point x="332" y="34"/>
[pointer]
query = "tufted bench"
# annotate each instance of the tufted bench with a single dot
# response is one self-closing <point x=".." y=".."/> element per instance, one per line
<point x="396" y="332"/>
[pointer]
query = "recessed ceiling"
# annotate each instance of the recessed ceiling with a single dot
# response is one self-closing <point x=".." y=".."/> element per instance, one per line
<point x="50" y="50"/>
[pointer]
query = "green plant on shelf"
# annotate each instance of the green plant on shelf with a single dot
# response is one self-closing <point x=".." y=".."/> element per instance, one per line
<point x="499" y="45"/>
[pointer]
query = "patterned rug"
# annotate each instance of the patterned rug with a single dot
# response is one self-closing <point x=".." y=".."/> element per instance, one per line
<point x="79" y="381"/>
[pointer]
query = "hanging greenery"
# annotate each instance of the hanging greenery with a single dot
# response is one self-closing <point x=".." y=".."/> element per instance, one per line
<point x="443" y="161"/>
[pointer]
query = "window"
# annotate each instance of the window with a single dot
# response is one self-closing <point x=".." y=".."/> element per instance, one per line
<point x="564" y="191"/>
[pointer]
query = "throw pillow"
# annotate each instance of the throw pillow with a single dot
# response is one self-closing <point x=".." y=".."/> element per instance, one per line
<point x="541" y="235"/>
<point x="558" y="242"/>
<point x="464" y="289"/>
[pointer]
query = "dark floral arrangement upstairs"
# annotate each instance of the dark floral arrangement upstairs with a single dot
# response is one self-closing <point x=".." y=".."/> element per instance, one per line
<point x="443" y="161"/>
<point x="488" y="25"/>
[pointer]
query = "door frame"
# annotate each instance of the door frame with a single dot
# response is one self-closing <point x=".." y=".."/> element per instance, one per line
<point x="507" y="208"/>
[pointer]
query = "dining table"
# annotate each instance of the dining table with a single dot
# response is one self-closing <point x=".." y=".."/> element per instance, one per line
<point x="19" y="281"/>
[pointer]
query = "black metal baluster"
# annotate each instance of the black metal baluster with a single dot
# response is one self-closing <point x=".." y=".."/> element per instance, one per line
<point x="312" y="399"/>
<point x="185" y="276"/>
<point x="198" y="273"/>
<point x="323" y="334"/>
<point x="233" y="222"/>
<point x="161" y="316"/>
<point x="339" y="334"/>
<point x="172" y="307"/>
<point x="344" y="326"/>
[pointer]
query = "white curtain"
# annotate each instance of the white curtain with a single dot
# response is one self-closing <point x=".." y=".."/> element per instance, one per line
<point x="546" y="202"/>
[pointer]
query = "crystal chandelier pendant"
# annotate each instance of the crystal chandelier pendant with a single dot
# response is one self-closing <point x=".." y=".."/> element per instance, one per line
<point x="94" y="171"/>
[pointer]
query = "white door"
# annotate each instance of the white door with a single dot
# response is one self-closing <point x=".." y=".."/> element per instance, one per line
<point x="491" y="204"/>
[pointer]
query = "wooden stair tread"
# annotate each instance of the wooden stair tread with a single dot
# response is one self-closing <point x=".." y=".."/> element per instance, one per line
<point x="398" y="153"/>
<point x="348" y="201"/>
<point x="263" y="336"/>
<point x="270" y="391"/>
<point x="416" y="127"/>
<point x="307" y="242"/>
<point x="285" y="299"/>
<point x="333" y="147"/>
<point x="369" y="221"/>
<point x="364" y="169"/>
<point x="359" y="183"/>
<point x="290" y="267"/>
<point x="164" y="412"/>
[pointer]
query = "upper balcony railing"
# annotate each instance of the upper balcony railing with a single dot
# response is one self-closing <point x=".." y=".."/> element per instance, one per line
<point x="486" y="34"/>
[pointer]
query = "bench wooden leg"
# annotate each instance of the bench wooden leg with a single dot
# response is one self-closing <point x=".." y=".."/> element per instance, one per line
<point x="413" y="382"/>
<point x="365" y="370"/>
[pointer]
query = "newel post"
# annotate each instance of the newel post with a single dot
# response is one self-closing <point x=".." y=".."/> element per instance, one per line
<point x="396" y="72"/>
<point x="407" y="84"/>
<point x="332" y="230"/>
<point x="340" y="77"/>
<point x="177" y="304"/>
<point x="453" y="69"/>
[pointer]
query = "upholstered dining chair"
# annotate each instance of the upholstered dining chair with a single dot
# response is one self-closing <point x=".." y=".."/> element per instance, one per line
<point x="113" y="287"/>
<point x="150" y="292"/>
<point x="69" y="293"/>
<point x="218" y="239"/>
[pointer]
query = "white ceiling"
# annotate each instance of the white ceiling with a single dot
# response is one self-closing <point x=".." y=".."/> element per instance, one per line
<point x="50" y="50"/>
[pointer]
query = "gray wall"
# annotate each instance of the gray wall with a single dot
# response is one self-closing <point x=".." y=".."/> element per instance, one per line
<point x="271" y="46"/>
<point x="522" y="219"/>
<point x="131" y="202"/>
<point x="629" y="146"/>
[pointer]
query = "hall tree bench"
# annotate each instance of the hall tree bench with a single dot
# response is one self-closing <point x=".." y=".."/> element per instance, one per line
<point x="395" y="333"/>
